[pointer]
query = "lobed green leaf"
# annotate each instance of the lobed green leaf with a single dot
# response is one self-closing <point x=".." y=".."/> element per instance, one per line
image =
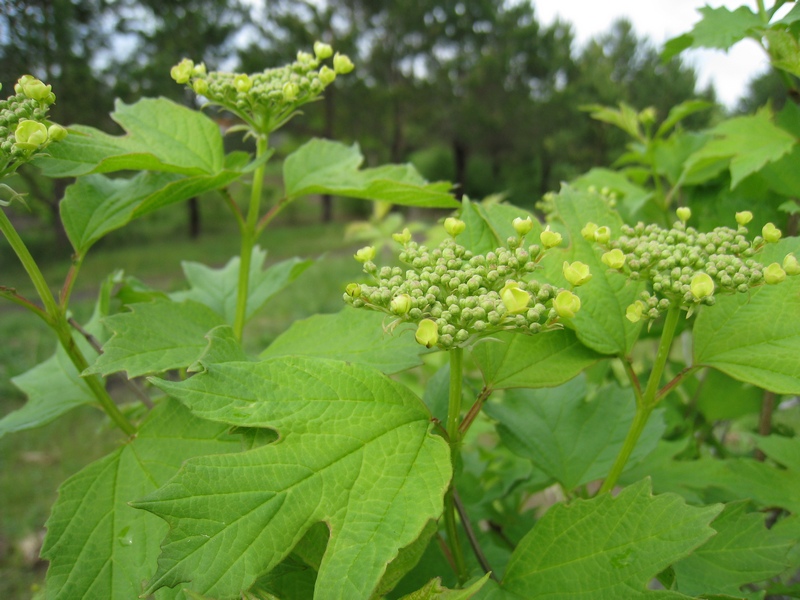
<point x="354" y="451"/>
<point x="97" y="544"/>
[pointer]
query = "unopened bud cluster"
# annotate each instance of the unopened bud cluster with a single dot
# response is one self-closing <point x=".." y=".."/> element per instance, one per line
<point x="24" y="128"/>
<point x="266" y="100"/>
<point x="686" y="267"/>
<point x="454" y="295"/>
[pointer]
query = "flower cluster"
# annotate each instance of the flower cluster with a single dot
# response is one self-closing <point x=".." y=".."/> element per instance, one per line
<point x="24" y="128"/>
<point x="266" y="100"/>
<point x="454" y="295"/>
<point x="686" y="267"/>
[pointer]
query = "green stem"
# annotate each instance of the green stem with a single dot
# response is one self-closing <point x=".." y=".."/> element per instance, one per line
<point x="454" y="437"/>
<point x="55" y="316"/>
<point x="249" y="236"/>
<point x="21" y="250"/>
<point x="648" y="400"/>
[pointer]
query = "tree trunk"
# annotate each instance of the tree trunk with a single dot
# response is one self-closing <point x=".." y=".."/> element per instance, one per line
<point x="327" y="200"/>
<point x="460" y="155"/>
<point x="195" y="225"/>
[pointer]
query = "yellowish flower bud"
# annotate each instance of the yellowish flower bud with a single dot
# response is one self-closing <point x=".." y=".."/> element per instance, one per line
<point x="514" y="299"/>
<point x="304" y="57"/>
<point x="522" y="226"/>
<point x="550" y="239"/>
<point x="199" y="70"/>
<point x="576" y="273"/>
<point x="322" y="51"/>
<point x="774" y="274"/>
<point x="744" y="217"/>
<point x="791" y="265"/>
<point x="701" y="285"/>
<point x="200" y="87"/>
<point x="684" y="213"/>
<point x="567" y="304"/>
<point x="182" y="72"/>
<point x="403" y="237"/>
<point x="635" y="311"/>
<point x="32" y="87"/>
<point x="366" y="254"/>
<point x="342" y="64"/>
<point x="29" y="135"/>
<point x="290" y="91"/>
<point x="454" y="226"/>
<point x="427" y="333"/>
<point x="56" y="132"/>
<point x="353" y="290"/>
<point x="327" y="75"/>
<point x="589" y="230"/>
<point x="242" y="83"/>
<point x="401" y="304"/>
<point x="602" y="235"/>
<point x="614" y="259"/>
<point x="771" y="233"/>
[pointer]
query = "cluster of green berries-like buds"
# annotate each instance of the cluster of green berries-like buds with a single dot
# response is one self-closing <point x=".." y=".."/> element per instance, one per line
<point x="686" y="267"/>
<point x="266" y="100"/>
<point x="24" y="128"/>
<point x="455" y="296"/>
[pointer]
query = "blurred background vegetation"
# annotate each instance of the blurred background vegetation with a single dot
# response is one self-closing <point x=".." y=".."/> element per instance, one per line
<point x="476" y="92"/>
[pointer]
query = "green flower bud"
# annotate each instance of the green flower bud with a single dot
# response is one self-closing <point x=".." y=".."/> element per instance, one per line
<point x="29" y="135"/>
<point x="589" y="230"/>
<point x="515" y="299"/>
<point x="182" y="72"/>
<point x="56" y="132"/>
<point x="290" y="91"/>
<point x="32" y="88"/>
<point x="199" y="70"/>
<point x="635" y="311"/>
<point x="327" y="75"/>
<point x="427" y="333"/>
<point x="701" y="285"/>
<point x="342" y="64"/>
<point x="401" y="304"/>
<point x="576" y="273"/>
<point x="353" y="290"/>
<point x="602" y="235"/>
<point x="454" y="226"/>
<point x="684" y="213"/>
<point x="242" y="83"/>
<point x="304" y="57"/>
<point x="522" y="226"/>
<point x="322" y="51"/>
<point x="200" y="87"/>
<point x="771" y="233"/>
<point x="614" y="259"/>
<point x="791" y="265"/>
<point x="366" y="254"/>
<point x="550" y="239"/>
<point x="774" y="274"/>
<point x="744" y="217"/>
<point x="403" y="237"/>
<point x="566" y="304"/>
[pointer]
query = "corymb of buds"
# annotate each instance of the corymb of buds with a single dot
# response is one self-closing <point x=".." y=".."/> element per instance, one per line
<point x="685" y="267"/>
<point x="24" y="128"/>
<point x="455" y="296"/>
<point x="266" y="100"/>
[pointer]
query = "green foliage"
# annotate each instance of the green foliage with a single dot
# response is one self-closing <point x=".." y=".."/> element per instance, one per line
<point x="348" y="458"/>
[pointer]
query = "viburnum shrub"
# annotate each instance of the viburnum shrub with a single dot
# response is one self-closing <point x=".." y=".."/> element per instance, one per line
<point x="488" y="418"/>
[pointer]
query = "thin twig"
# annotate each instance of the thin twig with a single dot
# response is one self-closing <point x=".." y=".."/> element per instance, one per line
<point x="473" y="540"/>
<point x="474" y="410"/>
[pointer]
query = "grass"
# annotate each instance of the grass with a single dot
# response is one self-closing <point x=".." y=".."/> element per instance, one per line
<point x="34" y="463"/>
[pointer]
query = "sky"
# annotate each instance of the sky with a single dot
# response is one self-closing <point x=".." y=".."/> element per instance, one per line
<point x="661" y="20"/>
